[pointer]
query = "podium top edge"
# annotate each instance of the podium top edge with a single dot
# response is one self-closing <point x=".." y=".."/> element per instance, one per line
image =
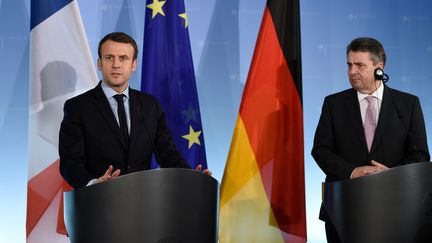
<point x="162" y="171"/>
<point x="385" y="172"/>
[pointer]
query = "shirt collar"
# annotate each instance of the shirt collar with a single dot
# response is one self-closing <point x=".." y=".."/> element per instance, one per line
<point x="378" y="93"/>
<point x="109" y="92"/>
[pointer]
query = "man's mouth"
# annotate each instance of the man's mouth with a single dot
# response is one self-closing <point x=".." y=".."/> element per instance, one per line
<point x="355" y="78"/>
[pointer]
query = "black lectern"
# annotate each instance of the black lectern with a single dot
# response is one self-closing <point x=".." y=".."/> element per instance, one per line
<point x="165" y="205"/>
<point x="391" y="206"/>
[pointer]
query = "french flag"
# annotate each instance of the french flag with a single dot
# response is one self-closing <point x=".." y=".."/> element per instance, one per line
<point x="61" y="67"/>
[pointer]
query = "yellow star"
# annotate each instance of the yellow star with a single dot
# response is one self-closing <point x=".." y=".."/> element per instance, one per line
<point x="184" y="16"/>
<point x="156" y="6"/>
<point x="192" y="137"/>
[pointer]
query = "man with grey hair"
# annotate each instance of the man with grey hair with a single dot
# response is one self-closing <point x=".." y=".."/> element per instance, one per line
<point x="368" y="128"/>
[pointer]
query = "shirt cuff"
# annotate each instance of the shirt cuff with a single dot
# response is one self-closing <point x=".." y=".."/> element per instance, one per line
<point x="352" y="172"/>
<point x="91" y="182"/>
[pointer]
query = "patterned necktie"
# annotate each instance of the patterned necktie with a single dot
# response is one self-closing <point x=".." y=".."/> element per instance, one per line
<point x="122" y="116"/>
<point x="370" y="118"/>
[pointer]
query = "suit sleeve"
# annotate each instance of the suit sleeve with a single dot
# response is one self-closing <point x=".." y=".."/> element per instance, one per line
<point x="166" y="152"/>
<point x="417" y="147"/>
<point x="324" y="150"/>
<point x="72" y="148"/>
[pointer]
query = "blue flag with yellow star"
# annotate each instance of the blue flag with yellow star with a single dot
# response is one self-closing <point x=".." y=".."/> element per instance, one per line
<point x="168" y="74"/>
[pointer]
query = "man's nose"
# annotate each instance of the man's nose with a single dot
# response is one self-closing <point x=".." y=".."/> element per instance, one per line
<point x="352" y="70"/>
<point x="115" y="63"/>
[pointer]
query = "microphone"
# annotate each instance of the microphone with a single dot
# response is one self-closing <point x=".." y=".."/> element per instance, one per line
<point x="156" y="154"/>
<point x="408" y="133"/>
<point x="380" y="75"/>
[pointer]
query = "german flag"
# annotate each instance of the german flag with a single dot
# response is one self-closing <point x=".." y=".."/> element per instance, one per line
<point x="263" y="191"/>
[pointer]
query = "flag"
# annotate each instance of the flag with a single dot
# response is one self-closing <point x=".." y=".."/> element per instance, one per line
<point x="60" y="68"/>
<point x="168" y="74"/>
<point x="262" y="193"/>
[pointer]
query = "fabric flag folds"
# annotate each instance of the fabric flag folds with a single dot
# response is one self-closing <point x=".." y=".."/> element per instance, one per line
<point x="262" y="193"/>
<point x="60" y="67"/>
<point x="168" y="74"/>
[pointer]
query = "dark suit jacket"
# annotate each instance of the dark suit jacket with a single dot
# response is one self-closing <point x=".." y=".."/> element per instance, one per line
<point x="90" y="138"/>
<point x="340" y="143"/>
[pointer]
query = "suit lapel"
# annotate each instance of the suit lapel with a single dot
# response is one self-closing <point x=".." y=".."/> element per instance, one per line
<point x="355" y="116"/>
<point x="135" y="115"/>
<point x="102" y="105"/>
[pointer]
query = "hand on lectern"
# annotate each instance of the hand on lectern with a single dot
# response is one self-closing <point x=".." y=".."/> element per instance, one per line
<point x="379" y="165"/>
<point x="206" y="171"/>
<point x="109" y="174"/>
<point x="368" y="169"/>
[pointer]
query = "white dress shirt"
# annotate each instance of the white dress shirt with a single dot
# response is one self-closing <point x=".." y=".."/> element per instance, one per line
<point x="364" y="103"/>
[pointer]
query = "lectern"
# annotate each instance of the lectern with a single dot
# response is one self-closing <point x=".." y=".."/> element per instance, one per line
<point x="165" y="205"/>
<point x="390" y="206"/>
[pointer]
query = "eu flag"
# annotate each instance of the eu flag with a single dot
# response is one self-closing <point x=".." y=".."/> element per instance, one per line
<point x="168" y="74"/>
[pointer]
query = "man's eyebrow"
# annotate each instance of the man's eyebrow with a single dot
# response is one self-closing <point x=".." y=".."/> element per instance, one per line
<point x="356" y="63"/>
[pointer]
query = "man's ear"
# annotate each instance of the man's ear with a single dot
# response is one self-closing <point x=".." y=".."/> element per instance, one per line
<point x="381" y="65"/>
<point x="134" y="65"/>
<point x="99" y="64"/>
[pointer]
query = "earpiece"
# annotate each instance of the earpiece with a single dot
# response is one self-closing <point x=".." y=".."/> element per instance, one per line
<point x="380" y="75"/>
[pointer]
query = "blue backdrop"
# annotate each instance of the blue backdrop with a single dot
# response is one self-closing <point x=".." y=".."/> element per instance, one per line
<point x="222" y="35"/>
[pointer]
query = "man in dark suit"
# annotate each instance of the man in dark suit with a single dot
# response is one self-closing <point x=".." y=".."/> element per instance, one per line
<point x="368" y="128"/>
<point x="113" y="129"/>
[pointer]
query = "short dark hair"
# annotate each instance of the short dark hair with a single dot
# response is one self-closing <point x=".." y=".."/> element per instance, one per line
<point x="371" y="45"/>
<point x="121" y="38"/>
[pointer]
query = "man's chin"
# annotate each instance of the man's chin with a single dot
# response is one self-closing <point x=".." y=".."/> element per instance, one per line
<point x="354" y="85"/>
<point x="116" y="83"/>
<point x="359" y="89"/>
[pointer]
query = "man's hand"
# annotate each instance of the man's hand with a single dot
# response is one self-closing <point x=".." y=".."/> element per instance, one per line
<point x="206" y="171"/>
<point x="368" y="169"/>
<point x="109" y="174"/>
<point x="379" y="165"/>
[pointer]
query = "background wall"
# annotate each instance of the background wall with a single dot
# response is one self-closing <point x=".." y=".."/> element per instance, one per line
<point x="223" y="35"/>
